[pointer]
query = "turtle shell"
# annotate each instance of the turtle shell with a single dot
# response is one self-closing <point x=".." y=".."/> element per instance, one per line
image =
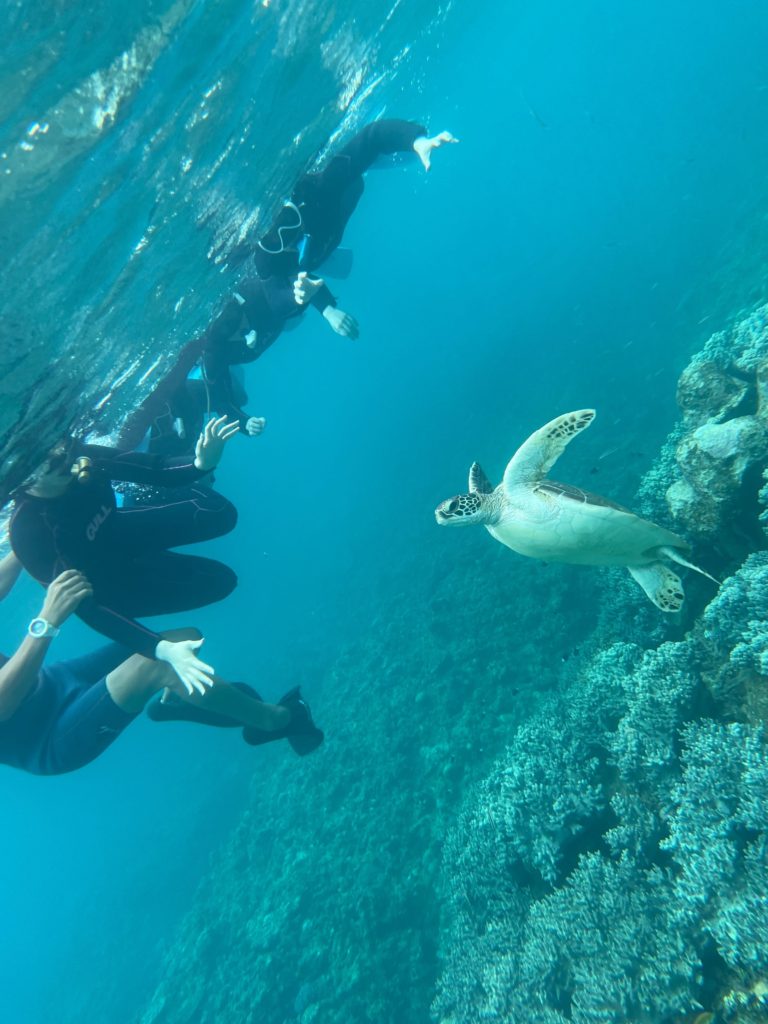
<point x="576" y="494"/>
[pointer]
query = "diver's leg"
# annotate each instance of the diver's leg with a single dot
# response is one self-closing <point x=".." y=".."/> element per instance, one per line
<point x="182" y="516"/>
<point x="234" y="703"/>
<point x="137" y="679"/>
<point x="165" y="582"/>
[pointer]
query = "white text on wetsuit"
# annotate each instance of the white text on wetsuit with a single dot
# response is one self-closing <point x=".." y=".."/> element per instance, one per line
<point x="96" y="522"/>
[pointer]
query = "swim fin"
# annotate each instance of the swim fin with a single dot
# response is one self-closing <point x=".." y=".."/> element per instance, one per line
<point x="338" y="264"/>
<point x="301" y="731"/>
<point x="177" y="710"/>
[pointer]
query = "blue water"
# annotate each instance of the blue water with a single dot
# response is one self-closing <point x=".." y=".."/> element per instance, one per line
<point x="604" y="212"/>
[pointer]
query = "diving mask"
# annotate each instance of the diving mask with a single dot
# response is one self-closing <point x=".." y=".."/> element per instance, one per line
<point x="287" y="205"/>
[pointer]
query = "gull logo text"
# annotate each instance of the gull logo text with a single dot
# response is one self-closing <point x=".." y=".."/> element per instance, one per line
<point x="95" y="523"/>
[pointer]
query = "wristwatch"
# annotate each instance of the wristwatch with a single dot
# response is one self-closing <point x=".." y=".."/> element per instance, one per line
<point x="40" y="628"/>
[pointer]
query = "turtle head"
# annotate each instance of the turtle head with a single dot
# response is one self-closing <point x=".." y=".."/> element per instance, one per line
<point x="463" y="510"/>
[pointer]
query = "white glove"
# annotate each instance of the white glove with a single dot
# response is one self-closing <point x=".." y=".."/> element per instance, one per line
<point x="180" y="655"/>
<point x="424" y="147"/>
<point x="304" y="287"/>
<point x="255" y="425"/>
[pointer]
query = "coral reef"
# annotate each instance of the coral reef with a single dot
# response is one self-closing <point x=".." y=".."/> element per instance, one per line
<point x="635" y="890"/>
<point x="709" y="472"/>
<point x="327" y="890"/>
<point x="540" y="801"/>
<point x="637" y="915"/>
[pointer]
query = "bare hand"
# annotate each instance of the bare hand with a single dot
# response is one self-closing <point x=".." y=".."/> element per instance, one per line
<point x="181" y="656"/>
<point x="255" y="426"/>
<point x="341" y="322"/>
<point x="64" y="595"/>
<point x="423" y="146"/>
<point x="210" y="444"/>
<point x="305" y="287"/>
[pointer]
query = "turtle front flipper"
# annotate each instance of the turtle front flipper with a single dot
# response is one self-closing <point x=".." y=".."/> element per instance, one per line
<point x="536" y="456"/>
<point x="478" y="481"/>
<point x="661" y="585"/>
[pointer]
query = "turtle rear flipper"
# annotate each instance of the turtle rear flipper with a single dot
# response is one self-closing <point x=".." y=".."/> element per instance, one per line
<point x="661" y="585"/>
<point x="675" y="556"/>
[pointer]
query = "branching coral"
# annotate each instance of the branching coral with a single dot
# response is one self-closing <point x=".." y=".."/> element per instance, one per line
<point x="736" y="622"/>
<point x="680" y="865"/>
<point x="719" y="840"/>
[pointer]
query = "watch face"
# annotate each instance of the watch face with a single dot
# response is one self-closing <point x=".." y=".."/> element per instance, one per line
<point x="38" y="627"/>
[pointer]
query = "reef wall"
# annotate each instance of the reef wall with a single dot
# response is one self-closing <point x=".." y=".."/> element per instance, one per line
<point x="613" y="865"/>
<point x="540" y="800"/>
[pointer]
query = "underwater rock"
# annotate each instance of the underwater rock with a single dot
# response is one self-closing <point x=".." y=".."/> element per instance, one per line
<point x="715" y="459"/>
<point x="705" y="391"/>
<point x="710" y="468"/>
<point x="717" y="455"/>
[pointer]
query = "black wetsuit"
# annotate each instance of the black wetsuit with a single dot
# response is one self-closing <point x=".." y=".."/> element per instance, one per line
<point x="326" y="200"/>
<point x="124" y="552"/>
<point x="263" y="304"/>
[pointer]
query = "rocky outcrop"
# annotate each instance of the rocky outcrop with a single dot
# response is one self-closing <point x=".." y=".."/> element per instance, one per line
<point x="710" y="473"/>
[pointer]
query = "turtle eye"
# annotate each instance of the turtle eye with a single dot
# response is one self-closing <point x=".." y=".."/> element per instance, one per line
<point x="454" y="505"/>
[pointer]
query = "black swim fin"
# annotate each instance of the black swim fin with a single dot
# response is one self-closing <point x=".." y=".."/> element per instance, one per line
<point x="177" y="710"/>
<point x="301" y="731"/>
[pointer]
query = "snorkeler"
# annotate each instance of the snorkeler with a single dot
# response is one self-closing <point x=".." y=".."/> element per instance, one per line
<point x="311" y="224"/>
<point x="302" y="237"/>
<point x="66" y="517"/>
<point x="58" y="718"/>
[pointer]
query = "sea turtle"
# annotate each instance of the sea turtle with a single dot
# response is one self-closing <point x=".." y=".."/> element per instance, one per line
<point x="559" y="523"/>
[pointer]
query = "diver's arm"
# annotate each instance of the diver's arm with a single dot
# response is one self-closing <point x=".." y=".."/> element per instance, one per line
<point x="180" y="655"/>
<point x="342" y="323"/>
<point x="312" y="291"/>
<point x="424" y="147"/>
<point x="19" y="675"/>
<point x="380" y="138"/>
<point x="223" y="402"/>
<point x="323" y="299"/>
<point x="117" y="627"/>
<point x="143" y="467"/>
<point x="218" y="378"/>
<point x="10" y="570"/>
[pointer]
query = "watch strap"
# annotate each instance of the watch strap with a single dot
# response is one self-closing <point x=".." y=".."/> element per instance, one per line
<point x="41" y="628"/>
